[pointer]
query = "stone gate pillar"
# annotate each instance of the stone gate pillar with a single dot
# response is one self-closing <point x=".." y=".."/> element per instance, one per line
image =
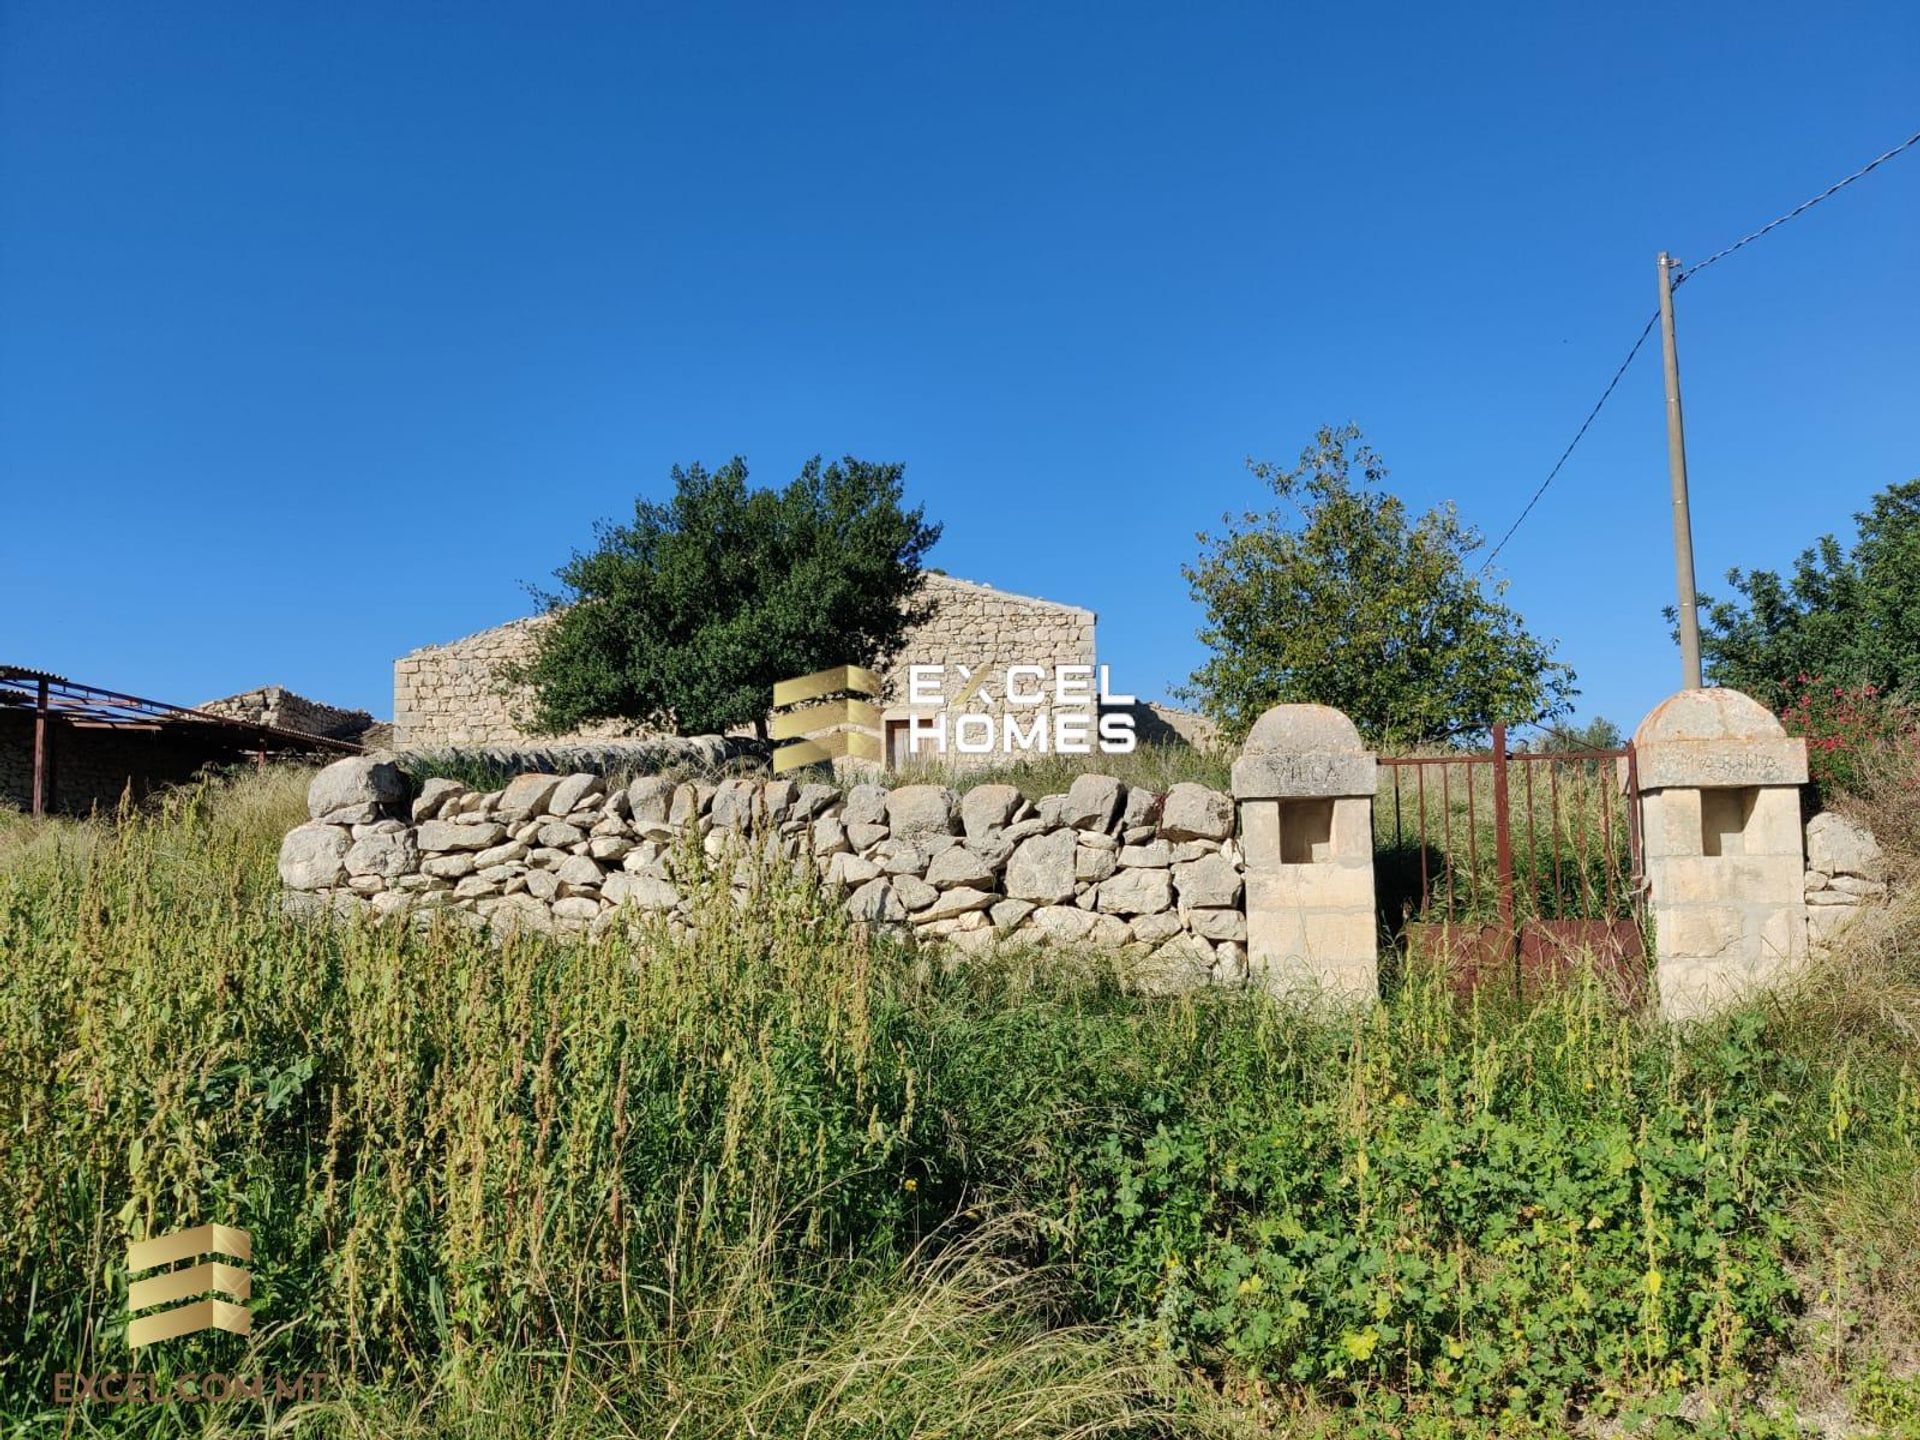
<point x="1726" y="869"/>
<point x="1304" y="786"/>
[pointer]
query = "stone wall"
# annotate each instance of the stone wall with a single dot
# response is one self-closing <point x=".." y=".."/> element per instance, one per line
<point x="453" y="694"/>
<point x="1159" y="875"/>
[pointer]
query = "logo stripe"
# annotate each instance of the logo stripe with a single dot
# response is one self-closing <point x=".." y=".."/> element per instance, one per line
<point x="200" y="1240"/>
<point x="179" y="1284"/>
<point x="188" y="1319"/>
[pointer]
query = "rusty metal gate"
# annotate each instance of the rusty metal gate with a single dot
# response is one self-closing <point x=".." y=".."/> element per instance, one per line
<point x="1513" y="867"/>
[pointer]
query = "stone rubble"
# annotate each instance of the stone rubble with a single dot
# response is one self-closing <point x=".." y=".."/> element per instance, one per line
<point x="1158" y="876"/>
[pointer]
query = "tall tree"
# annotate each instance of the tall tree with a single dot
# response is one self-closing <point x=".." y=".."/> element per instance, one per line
<point x="687" y="616"/>
<point x="1341" y="599"/>
<point x="1849" y="616"/>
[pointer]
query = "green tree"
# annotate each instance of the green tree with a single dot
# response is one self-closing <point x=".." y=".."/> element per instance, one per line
<point x="1598" y="733"/>
<point x="686" y="617"/>
<point x="1344" y="600"/>
<point x="1851" y="617"/>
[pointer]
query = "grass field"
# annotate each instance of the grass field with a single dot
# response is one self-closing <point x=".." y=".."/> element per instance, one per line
<point x="788" y="1181"/>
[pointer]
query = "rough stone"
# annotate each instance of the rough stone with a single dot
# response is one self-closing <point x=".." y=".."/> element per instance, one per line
<point x="987" y="808"/>
<point x="1154" y="855"/>
<point x="442" y="835"/>
<point x="1209" y="882"/>
<point x="1839" y="846"/>
<point x="1093" y="802"/>
<point x="914" y="893"/>
<point x="433" y="794"/>
<point x="644" y="891"/>
<point x="651" y="798"/>
<point x="1041" y="868"/>
<point x="559" y="834"/>
<point x="958" y="866"/>
<point x="1062" y="922"/>
<point x="1094" y="865"/>
<point x="359" y="780"/>
<point x="876" y="902"/>
<point x="1136" y="892"/>
<point x="526" y="796"/>
<point x="448" y="867"/>
<point x="1193" y="812"/>
<point x="850" y="870"/>
<point x="573" y="792"/>
<point x="862" y="835"/>
<point x="866" y="805"/>
<point x="385" y="855"/>
<point x="313" y="856"/>
<point x="956" y="902"/>
<point x="917" y="810"/>
<point x="1008" y="914"/>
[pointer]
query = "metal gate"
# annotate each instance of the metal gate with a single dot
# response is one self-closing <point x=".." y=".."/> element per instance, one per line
<point x="1513" y="867"/>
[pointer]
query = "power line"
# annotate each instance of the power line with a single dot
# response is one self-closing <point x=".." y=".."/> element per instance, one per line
<point x="1718" y="255"/>
<point x="1645" y="331"/>
<point x="1805" y="205"/>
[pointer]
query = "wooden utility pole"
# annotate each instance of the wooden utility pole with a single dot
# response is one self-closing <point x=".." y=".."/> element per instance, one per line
<point x="1677" y="467"/>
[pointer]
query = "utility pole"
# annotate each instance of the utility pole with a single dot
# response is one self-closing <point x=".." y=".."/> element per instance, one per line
<point x="1677" y="465"/>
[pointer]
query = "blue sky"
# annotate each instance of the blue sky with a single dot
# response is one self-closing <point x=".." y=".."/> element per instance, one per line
<point x="326" y="328"/>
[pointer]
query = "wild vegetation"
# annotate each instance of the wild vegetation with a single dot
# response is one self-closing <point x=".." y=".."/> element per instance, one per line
<point x="793" y="1180"/>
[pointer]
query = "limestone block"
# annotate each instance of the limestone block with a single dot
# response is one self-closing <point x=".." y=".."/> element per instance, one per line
<point x="359" y="780"/>
<point x="448" y="867"/>
<point x="987" y="808"/>
<point x="527" y="795"/>
<point x="1218" y="924"/>
<point x="1092" y="802"/>
<point x="313" y="856"/>
<point x="1193" y="812"/>
<point x="1042" y="868"/>
<point x="1208" y="882"/>
<point x="383" y="855"/>
<point x="959" y="866"/>
<point x="1136" y="892"/>
<point x="1326" y="886"/>
<point x="957" y="901"/>
<point x="1260" y="833"/>
<point x="1310" y="776"/>
<point x="442" y="835"/>
<point x="1062" y="922"/>
<point x="1093" y="865"/>
<point x="1839" y="846"/>
<point x="649" y="798"/>
<point x="1154" y="855"/>
<point x="916" y="810"/>
<point x="1008" y="914"/>
<point x="574" y="791"/>
<point x="876" y="902"/>
<point x="916" y="894"/>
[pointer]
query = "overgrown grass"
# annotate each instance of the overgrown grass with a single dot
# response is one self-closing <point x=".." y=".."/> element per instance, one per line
<point x="787" y="1180"/>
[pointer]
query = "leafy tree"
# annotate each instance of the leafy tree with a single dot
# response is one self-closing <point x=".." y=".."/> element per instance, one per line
<point x="1344" y="600"/>
<point x="1849" y="617"/>
<point x="687" y="616"/>
<point x="1598" y="733"/>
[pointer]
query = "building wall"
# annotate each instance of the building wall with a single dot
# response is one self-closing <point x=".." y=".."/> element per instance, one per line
<point x="452" y="694"/>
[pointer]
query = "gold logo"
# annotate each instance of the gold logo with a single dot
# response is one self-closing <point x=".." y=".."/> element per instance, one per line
<point x="822" y="718"/>
<point x="208" y="1313"/>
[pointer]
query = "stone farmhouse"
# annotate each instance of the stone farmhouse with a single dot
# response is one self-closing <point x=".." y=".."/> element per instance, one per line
<point x="453" y="695"/>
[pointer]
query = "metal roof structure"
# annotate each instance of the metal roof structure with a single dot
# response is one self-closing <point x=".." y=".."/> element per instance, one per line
<point x="51" y="698"/>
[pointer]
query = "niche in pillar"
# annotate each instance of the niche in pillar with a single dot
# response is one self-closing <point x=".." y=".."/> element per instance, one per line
<point x="1725" y="816"/>
<point x="1306" y="831"/>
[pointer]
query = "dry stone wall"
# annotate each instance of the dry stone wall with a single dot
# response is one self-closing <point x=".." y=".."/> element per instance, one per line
<point x="1157" y="875"/>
